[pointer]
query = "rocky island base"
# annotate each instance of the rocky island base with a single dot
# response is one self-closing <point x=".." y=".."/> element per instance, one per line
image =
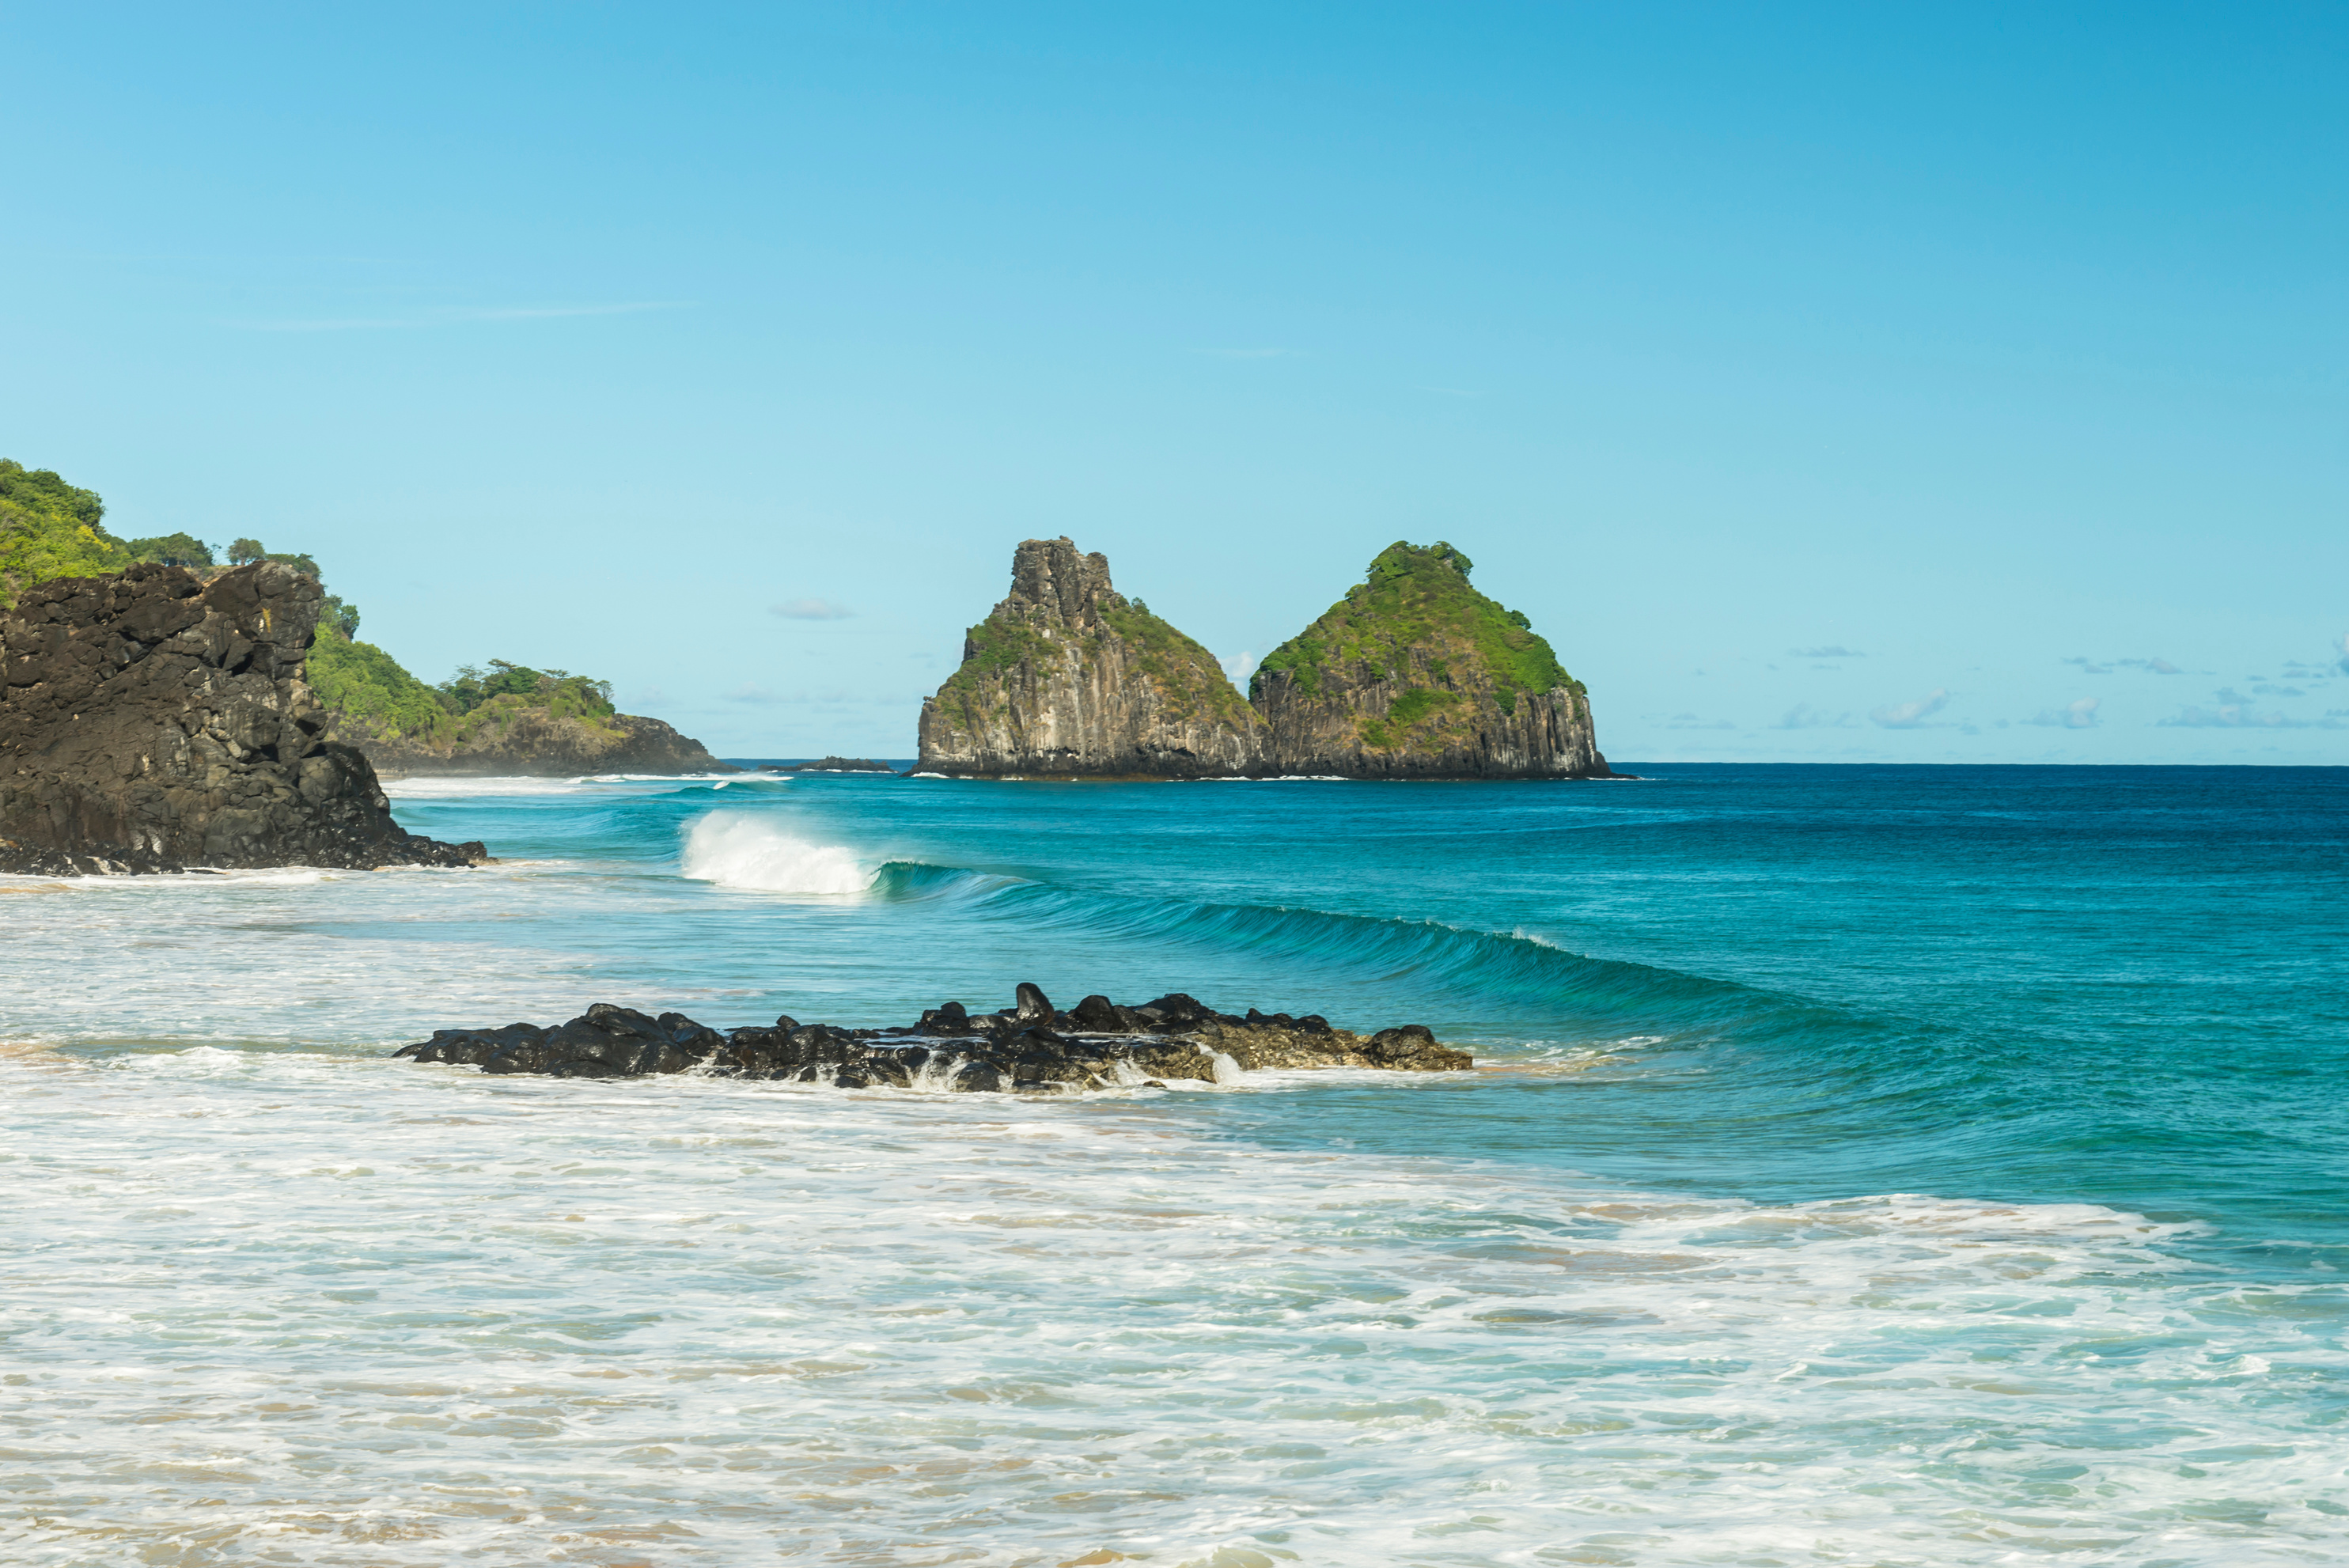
<point x="1030" y="1047"/>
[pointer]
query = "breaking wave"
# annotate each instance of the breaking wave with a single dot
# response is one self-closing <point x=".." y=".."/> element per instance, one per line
<point x="736" y="849"/>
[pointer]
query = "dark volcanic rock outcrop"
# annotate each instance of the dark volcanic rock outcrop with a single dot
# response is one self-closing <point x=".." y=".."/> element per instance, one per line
<point x="1069" y="677"/>
<point x="1416" y="675"/>
<point x="1030" y="1047"/>
<point x="150" y="721"/>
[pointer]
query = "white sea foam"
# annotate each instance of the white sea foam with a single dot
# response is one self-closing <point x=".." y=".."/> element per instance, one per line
<point x="350" y="1311"/>
<point x="733" y="849"/>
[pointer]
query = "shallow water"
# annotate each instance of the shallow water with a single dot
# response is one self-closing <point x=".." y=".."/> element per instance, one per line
<point x="1867" y="1166"/>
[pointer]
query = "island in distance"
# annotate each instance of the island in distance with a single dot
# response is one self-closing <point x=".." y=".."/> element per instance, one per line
<point x="1414" y="674"/>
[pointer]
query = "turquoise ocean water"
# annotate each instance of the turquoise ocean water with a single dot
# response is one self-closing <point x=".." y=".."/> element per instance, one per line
<point x="1867" y="1166"/>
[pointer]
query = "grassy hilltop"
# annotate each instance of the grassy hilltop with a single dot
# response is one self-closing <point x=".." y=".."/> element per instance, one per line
<point x="1418" y="596"/>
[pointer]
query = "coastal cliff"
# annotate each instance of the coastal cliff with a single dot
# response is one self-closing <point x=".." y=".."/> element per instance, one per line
<point x="1416" y="675"/>
<point x="1068" y="678"/>
<point x="150" y="721"/>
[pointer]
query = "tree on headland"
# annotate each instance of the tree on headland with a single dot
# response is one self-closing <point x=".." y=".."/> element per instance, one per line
<point x="170" y="550"/>
<point x="471" y="686"/>
<point x="245" y="551"/>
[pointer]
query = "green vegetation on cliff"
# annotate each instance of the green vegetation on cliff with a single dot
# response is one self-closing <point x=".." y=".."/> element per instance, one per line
<point x="1186" y="674"/>
<point x="50" y="528"/>
<point x="1417" y="597"/>
<point x="373" y="698"/>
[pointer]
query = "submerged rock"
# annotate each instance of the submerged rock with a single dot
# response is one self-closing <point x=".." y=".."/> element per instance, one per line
<point x="151" y="721"/>
<point x="1025" y="1048"/>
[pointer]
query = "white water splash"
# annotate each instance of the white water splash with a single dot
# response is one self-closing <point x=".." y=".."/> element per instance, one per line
<point x="733" y="850"/>
<point x="937" y="1075"/>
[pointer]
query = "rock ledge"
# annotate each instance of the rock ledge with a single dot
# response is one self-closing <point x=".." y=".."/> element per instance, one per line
<point x="1031" y="1047"/>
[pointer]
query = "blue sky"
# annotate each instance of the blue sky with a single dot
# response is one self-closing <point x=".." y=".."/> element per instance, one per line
<point x="1834" y="383"/>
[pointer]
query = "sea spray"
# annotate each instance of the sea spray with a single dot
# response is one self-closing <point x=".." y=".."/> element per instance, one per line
<point x="735" y="848"/>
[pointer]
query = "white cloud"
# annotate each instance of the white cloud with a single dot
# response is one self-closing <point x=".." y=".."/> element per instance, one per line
<point x="810" y="610"/>
<point x="1803" y="716"/>
<point x="2081" y="714"/>
<point x="1236" y="667"/>
<point x="1911" y="715"/>
<point x="2231" y="715"/>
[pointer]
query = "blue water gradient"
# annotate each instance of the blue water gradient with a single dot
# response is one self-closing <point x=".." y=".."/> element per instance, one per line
<point x="1875" y="1167"/>
<point x="2128" y="986"/>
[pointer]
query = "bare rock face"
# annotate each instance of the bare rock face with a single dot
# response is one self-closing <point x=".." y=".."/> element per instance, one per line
<point x="1068" y="678"/>
<point x="1030" y="1047"/>
<point x="150" y="721"/>
<point x="1416" y="675"/>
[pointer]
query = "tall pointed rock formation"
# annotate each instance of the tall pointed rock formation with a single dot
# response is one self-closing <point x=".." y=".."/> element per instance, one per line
<point x="1416" y="675"/>
<point x="1069" y="677"/>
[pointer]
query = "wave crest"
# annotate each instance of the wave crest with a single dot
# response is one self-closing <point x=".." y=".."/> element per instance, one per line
<point x="732" y="849"/>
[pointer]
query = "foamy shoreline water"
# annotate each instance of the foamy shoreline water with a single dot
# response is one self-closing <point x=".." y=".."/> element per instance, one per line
<point x="368" y="1314"/>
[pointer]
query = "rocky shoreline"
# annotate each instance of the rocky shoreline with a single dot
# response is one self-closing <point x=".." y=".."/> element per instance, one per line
<point x="156" y="721"/>
<point x="1030" y="1047"/>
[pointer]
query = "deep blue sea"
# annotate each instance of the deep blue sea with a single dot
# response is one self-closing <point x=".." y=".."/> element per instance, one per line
<point x="1864" y="1165"/>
